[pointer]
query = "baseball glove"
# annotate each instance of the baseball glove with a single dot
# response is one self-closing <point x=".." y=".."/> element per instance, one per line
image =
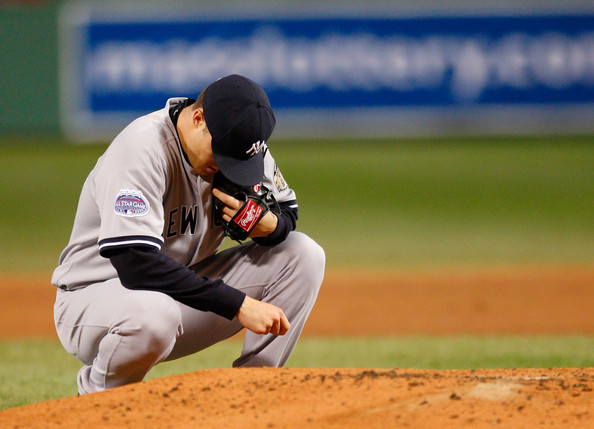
<point x="257" y="201"/>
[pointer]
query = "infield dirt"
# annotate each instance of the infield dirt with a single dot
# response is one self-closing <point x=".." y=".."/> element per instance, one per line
<point x="478" y="301"/>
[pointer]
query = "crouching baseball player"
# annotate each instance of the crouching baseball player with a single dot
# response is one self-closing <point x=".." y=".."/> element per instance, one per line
<point x="141" y="281"/>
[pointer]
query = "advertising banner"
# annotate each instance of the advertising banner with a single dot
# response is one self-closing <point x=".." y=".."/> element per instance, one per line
<point x="378" y="72"/>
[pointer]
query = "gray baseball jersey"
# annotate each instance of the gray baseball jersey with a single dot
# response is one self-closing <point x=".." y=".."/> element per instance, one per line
<point x="142" y="191"/>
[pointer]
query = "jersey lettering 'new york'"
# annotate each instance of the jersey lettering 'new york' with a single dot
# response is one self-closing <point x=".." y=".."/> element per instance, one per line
<point x="142" y="191"/>
<point x="181" y="222"/>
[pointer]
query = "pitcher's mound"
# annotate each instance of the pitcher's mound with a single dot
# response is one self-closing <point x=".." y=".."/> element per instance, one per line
<point x="328" y="398"/>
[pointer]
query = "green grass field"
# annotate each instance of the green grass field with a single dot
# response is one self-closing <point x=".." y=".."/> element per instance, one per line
<point x="373" y="204"/>
<point x="34" y="371"/>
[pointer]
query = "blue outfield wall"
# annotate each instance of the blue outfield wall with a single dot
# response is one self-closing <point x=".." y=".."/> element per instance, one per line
<point x="372" y="71"/>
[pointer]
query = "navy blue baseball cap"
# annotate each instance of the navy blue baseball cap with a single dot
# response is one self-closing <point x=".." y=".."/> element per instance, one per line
<point x="240" y="120"/>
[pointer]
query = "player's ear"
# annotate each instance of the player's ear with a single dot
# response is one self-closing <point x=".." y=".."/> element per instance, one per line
<point x="198" y="117"/>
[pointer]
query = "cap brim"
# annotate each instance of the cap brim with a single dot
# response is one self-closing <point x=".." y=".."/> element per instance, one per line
<point x="248" y="172"/>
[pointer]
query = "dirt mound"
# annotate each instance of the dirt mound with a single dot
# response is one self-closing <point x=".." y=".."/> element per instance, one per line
<point x="533" y="301"/>
<point x="327" y="398"/>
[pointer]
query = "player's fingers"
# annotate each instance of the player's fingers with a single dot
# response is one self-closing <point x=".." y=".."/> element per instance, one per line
<point x="275" y="325"/>
<point x="228" y="200"/>
<point x="226" y="216"/>
<point x="274" y="328"/>
<point x="284" y="325"/>
<point x="228" y="211"/>
<point x="219" y="194"/>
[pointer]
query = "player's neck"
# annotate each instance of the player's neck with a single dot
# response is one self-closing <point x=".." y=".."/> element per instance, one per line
<point x="184" y="122"/>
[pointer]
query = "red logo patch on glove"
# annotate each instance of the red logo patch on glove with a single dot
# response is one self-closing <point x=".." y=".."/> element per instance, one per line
<point x="249" y="215"/>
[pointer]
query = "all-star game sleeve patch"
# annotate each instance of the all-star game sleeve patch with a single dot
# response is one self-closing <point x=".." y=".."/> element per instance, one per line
<point x="279" y="181"/>
<point x="131" y="203"/>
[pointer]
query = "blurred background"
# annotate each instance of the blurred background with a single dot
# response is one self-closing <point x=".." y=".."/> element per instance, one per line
<point x="416" y="134"/>
<point x="423" y="138"/>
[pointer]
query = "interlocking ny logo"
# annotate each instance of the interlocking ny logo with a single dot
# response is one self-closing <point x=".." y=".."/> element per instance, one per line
<point x="256" y="147"/>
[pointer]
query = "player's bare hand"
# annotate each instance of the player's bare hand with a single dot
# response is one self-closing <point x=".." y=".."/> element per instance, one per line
<point x="231" y="204"/>
<point x="266" y="226"/>
<point x="262" y="318"/>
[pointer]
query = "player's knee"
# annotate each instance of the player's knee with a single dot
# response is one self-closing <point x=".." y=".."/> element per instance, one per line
<point x="309" y="258"/>
<point x="158" y="318"/>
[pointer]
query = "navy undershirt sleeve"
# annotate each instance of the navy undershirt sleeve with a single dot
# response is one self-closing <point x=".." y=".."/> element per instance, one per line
<point x="144" y="268"/>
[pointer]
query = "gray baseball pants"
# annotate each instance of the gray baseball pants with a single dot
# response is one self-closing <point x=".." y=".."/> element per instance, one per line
<point x="120" y="334"/>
